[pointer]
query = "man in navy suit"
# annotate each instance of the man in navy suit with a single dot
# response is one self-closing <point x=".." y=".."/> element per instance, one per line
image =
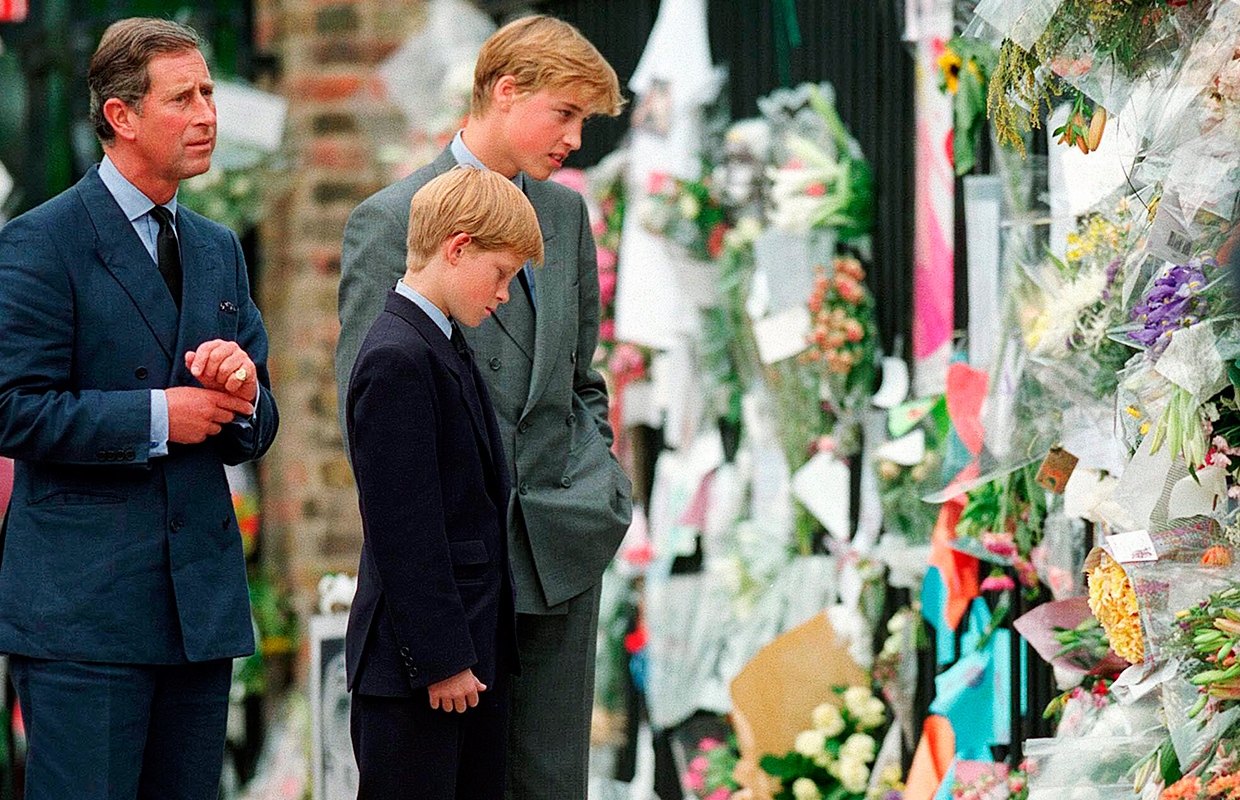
<point x="432" y="630"/>
<point x="132" y="369"/>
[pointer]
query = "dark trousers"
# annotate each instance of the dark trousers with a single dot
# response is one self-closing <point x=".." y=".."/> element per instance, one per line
<point x="123" y="731"/>
<point x="406" y="749"/>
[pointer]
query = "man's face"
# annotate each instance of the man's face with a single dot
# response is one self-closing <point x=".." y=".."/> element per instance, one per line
<point x="480" y="283"/>
<point x="542" y="129"/>
<point x="176" y="126"/>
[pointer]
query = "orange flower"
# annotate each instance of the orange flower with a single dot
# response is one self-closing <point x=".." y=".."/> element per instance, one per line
<point x="1218" y="555"/>
<point x="1183" y="789"/>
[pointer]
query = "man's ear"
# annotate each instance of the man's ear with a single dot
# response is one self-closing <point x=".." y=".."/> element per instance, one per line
<point x="454" y="247"/>
<point x="121" y="116"/>
<point x="504" y="92"/>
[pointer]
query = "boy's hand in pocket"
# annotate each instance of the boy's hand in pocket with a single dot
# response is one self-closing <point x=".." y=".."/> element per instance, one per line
<point x="457" y="693"/>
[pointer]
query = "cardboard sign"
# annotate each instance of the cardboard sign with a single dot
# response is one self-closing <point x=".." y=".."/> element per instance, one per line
<point x="1056" y="469"/>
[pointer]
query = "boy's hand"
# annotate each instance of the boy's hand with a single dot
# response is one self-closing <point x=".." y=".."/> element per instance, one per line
<point x="457" y="692"/>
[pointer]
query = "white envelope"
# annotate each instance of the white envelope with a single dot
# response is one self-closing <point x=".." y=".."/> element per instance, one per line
<point x="822" y="487"/>
<point x="783" y="335"/>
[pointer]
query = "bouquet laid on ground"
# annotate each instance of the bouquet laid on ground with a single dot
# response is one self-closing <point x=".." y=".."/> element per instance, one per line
<point x="709" y="772"/>
<point x="1114" y="602"/>
<point x="689" y="213"/>
<point x="832" y="759"/>
<point x="1211" y="637"/>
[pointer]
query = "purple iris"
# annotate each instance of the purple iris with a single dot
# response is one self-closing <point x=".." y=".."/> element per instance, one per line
<point x="1173" y="302"/>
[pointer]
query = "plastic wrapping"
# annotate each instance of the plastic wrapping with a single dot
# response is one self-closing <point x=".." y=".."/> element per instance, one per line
<point x="1086" y="768"/>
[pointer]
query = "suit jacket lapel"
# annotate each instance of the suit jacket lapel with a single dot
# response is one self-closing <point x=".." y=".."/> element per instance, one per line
<point x="409" y="312"/>
<point x="124" y="255"/>
<point x="552" y="284"/>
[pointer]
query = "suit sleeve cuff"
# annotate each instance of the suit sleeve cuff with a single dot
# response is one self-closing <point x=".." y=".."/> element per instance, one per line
<point x="159" y="423"/>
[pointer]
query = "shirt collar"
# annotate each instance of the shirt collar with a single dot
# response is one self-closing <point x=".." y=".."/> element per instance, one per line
<point x="129" y="197"/>
<point x="465" y="157"/>
<point x="431" y="310"/>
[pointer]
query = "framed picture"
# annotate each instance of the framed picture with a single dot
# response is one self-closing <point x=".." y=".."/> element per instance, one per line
<point x="334" y="767"/>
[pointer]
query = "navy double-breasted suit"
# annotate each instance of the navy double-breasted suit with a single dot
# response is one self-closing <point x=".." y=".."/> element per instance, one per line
<point x="111" y="555"/>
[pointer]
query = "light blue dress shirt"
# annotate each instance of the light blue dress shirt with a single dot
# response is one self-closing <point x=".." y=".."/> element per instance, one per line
<point x="466" y="158"/>
<point x="137" y="209"/>
<point x="438" y="317"/>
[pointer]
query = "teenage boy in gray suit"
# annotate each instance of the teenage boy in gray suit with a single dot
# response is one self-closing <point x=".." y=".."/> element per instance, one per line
<point x="537" y="79"/>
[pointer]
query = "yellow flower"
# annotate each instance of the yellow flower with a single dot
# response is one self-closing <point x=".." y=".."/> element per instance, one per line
<point x="950" y="63"/>
<point x="1113" y="601"/>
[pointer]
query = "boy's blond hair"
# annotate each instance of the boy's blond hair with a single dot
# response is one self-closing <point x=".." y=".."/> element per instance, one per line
<point x="542" y="52"/>
<point x="482" y="203"/>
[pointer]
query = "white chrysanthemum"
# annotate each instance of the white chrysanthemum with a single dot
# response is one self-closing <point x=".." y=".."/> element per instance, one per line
<point x="810" y="743"/>
<point x="860" y="746"/>
<point x="873" y="715"/>
<point x="855" y="699"/>
<point x="805" y="789"/>
<point x="854" y="775"/>
<point x="828" y="719"/>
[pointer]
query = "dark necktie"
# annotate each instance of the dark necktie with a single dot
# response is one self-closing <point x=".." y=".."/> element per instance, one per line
<point x="169" y="252"/>
<point x="462" y="346"/>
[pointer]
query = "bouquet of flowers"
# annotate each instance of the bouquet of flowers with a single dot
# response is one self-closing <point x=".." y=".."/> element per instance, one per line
<point x="965" y="66"/>
<point x="1100" y="47"/>
<point x="824" y="182"/>
<point x="833" y="758"/>
<point x="709" y="773"/>
<point x="1113" y="601"/>
<point x="1002" y="523"/>
<point x="844" y="333"/>
<point x="1210" y="634"/>
<point x="690" y="213"/>
<point x="606" y="229"/>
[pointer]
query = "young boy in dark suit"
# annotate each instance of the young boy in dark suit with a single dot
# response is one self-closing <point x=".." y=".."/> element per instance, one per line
<point x="431" y="638"/>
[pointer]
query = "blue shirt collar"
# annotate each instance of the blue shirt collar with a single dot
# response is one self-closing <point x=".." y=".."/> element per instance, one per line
<point x="430" y="309"/>
<point x="465" y="157"/>
<point x="129" y="197"/>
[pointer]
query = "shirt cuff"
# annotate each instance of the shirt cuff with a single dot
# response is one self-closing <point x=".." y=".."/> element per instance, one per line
<point x="159" y="424"/>
<point x="248" y="423"/>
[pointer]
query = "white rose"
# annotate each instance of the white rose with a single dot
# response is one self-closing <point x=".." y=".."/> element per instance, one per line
<point x="810" y="743"/>
<point x="855" y="698"/>
<point x="689" y="206"/>
<point x="825" y="760"/>
<point x="873" y="715"/>
<point x="859" y="746"/>
<point x="828" y="719"/>
<point x="854" y="775"/>
<point x="897" y="623"/>
<point x="805" y="789"/>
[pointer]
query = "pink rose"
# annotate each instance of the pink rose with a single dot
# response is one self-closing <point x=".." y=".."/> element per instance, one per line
<point x="655" y="182"/>
<point x="721" y="793"/>
<point x="606" y="287"/>
<point x="709" y="743"/>
<point x="998" y="583"/>
<point x="607" y="330"/>
<point x="699" y="764"/>
<point x="695" y="783"/>
<point x="606" y="258"/>
<point x="816" y="189"/>
<point x="598" y="227"/>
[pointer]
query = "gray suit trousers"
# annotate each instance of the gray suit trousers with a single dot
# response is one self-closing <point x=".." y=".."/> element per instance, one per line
<point x="552" y="701"/>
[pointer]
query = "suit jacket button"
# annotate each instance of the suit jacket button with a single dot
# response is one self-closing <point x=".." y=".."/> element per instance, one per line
<point x="570" y="420"/>
<point x="175" y="525"/>
<point x="523" y="426"/>
<point x="404" y="651"/>
<point x="525" y="488"/>
<point x="573" y="357"/>
<point x="566" y="481"/>
<point x="130" y="455"/>
<point x="494" y="363"/>
<point x="102" y="455"/>
<point x="413" y="672"/>
<point x="140" y="373"/>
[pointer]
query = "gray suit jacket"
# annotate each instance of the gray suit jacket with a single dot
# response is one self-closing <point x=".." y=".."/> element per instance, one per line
<point x="571" y="502"/>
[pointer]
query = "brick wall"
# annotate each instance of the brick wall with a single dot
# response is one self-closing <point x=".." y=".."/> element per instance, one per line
<point x="327" y="51"/>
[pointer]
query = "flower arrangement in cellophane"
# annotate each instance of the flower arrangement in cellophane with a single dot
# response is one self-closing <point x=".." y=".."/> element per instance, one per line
<point x="1114" y="602"/>
<point x="842" y="339"/>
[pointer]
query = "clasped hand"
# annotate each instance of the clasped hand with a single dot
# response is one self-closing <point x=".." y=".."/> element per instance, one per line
<point x="456" y="693"/>
<point x="229" y="387"/>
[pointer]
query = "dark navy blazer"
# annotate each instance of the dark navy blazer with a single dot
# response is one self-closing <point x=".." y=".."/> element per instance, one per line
<point x="111" y="555"/>
<point x="434" y="589"/>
